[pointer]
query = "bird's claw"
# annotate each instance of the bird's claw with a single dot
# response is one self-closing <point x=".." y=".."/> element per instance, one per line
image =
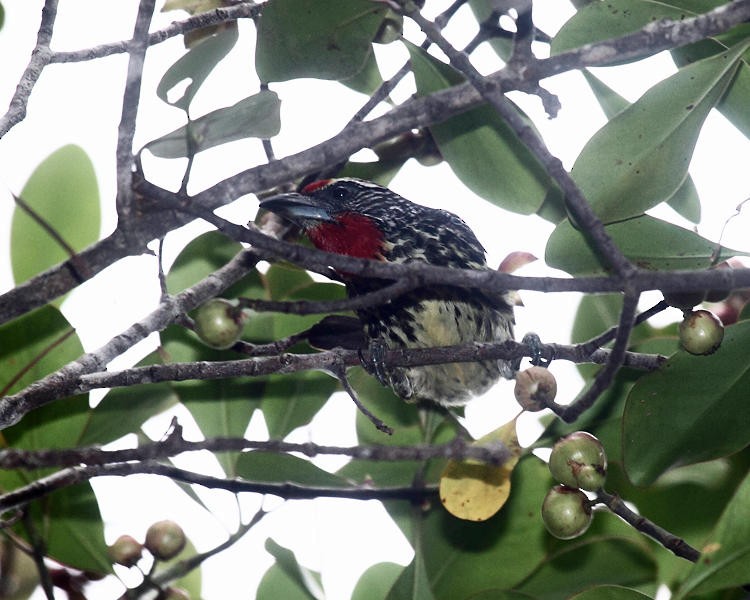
<point x="374" y="361"/>
<point x="534" y="342"/>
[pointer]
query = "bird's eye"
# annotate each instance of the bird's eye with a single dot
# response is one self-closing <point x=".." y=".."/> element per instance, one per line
<point x="339" y="192"/>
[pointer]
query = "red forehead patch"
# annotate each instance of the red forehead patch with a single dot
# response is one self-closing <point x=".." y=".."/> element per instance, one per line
<point x="315" y="185"/>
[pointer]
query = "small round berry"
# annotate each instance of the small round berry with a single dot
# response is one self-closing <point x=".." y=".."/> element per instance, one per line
<point x="218" y="323"/>
<point x="535" y="388"/>
<point x="566" y="512"/>
<point x="165" y="539"/>
<point x="578" y="460"/>
<point x="125" y="551"/>
<point x="701" y="332"/>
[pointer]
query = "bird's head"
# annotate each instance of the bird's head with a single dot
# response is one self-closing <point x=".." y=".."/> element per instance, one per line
<point x="345" y="216"/>
<point x="366" y="220"/>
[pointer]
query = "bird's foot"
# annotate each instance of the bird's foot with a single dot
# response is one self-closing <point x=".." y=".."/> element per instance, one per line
<point x="538" y="358"/>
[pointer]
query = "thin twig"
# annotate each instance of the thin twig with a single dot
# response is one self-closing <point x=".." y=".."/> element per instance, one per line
<point x="606" y="337"/>
<point x="78" y="268"/>
<point x="183" y="567"/>
<point x="340" y="372"/>
<point x="604" y="378"/>
<point x="494" y="94"/>
<point x="38" y="553"/>
<point x="40" y="58"/>
<point x="670" y="541"/>
<point x="130" y="103"/>
<point x="217" y="16"/>
<point x="291" y="491"/>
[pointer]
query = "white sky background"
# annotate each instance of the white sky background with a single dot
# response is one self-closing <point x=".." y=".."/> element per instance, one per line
<point x="80" y="103"/>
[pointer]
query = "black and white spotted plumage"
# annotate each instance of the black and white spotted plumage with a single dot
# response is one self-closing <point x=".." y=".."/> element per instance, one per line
<point x="360" y="218"/>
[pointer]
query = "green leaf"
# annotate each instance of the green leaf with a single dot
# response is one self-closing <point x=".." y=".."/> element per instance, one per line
<point x="412" y="583"/>
<point x="733" y="104"/>
<point x="63" y="191"/>
<point x="68" y="520"/>
<point x="685" y="201"/>
<point x="381" y="171"/>
<point x="220" y="407"/>
<point x="609" y="592"/>
<point x="255" y="116"/>
<point x="497" y="553"/>
<point x="291" y="401"/>
<point x="700" y="400"/>
<point x="71" y="526"/>
<point x="648" y="242"/>
<point x="686" y="501"/>
<point x="482" y="150"/>
<point x="368" y="79"/>
<point x="195" y="67"/>
<point x="501" y="595"/>
<point x="204" y="255"/>
<point x="288" y="579"/>
<point x="591" y="561"/>
<point x="600" y="21"/>
<point x="324" y="39"/>
<point x="124" y="410"/>
<point x="34" y="346"/>
<point x="725" y="558"/>
<point x="376" y="581"/>
<point x="272" y="467"/>
<point x="191" y="581"/>
<point x="483" y="10"/>
<point x="641" y="157"/>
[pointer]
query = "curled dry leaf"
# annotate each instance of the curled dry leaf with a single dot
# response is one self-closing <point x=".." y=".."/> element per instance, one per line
<point x="474" y="490"/>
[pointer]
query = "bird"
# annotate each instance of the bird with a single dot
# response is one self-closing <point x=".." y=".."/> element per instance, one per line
<point x="362" y="219"/>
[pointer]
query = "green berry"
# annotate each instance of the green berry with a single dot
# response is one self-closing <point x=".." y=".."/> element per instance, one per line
<point x="218" y="323"/>
<point x="566" y="512"/>
<point x="126" y="551"/>
<point x="701" y="332"/>
<point x="578" y="461"/>
<point x="165" y="539"/>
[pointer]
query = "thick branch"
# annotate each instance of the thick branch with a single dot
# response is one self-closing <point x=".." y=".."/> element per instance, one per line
<point x="174" y="444"/>
<point x="332" y="360"/>
<point x="62" y="382"/>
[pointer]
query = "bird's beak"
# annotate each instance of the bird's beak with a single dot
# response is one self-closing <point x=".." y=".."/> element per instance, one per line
<point x="297" y="208"/>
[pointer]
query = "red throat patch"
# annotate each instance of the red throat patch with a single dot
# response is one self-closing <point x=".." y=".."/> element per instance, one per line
<point x="352" y="235"/>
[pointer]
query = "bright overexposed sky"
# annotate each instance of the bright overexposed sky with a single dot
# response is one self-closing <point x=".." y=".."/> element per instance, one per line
<point x="80" y="103"/>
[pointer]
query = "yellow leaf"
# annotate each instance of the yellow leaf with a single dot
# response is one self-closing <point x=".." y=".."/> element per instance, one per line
<point x="474" y="490"/>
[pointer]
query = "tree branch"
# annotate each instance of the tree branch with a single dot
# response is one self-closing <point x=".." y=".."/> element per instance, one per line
<point x="40" y="58"/>
<point x="670" y="541"/>
<point x="243" y="10"/>
<point x="290" y="491"/>
<point x="130" y="103"/>
<point x="414" y="113"/>
<point x="174" y="444"/>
